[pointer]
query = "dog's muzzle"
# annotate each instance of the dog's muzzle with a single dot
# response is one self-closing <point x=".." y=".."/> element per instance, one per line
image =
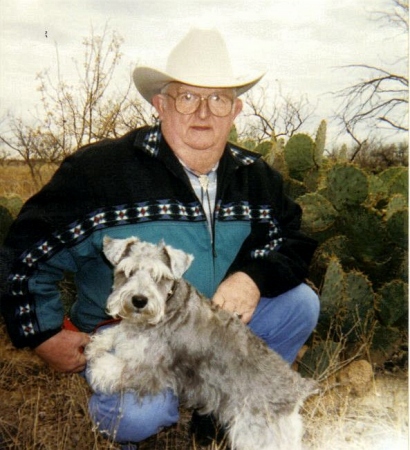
<point x="139" y="301"/>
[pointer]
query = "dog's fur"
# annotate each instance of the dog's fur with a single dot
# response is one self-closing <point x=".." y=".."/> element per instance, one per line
<point x="173" y="337"/>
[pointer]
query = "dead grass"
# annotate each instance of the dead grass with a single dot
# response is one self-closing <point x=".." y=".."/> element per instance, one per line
<point x="39" y="407"/>
<point x="44" y="410"/>
<point x="378" y="420"/>
<point x="16" y="179"/>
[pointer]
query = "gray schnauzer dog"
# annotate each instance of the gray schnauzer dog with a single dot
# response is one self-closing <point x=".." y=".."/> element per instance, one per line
<point x="173" y="337"/>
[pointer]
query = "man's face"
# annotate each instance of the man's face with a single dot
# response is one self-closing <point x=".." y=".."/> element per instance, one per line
<point x="200" y="130"/>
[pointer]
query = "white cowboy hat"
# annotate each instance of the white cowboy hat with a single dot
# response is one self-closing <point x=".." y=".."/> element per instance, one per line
<point x="200" y="59"/>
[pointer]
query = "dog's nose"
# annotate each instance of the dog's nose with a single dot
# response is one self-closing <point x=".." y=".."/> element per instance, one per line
<point x="139" y="301"/>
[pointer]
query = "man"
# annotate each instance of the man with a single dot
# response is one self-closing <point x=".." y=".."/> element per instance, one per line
<point x="179" y="181"/>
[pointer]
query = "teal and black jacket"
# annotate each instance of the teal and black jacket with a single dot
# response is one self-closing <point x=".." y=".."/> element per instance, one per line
<point x="135" y="186"/>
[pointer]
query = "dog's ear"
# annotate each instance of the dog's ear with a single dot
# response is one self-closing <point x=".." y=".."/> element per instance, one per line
<point x="179" y="261"/>
<point x="116" y="249"/>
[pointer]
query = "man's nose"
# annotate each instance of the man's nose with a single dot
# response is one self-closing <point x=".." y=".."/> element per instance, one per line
<point x="203" y="109"/>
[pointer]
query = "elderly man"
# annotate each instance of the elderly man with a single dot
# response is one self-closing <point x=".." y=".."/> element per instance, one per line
<point x="180" y="181"/>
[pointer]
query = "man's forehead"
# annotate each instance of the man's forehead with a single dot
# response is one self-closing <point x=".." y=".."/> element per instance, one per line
<point x="181" y="87"/>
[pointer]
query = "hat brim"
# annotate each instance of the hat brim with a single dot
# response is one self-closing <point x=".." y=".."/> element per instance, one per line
<point x="149" y="82"/>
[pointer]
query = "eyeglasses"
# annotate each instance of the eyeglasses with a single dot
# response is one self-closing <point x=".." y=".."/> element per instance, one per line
<point x="187" y="103"/>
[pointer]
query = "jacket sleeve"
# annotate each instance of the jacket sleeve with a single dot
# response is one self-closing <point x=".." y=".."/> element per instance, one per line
<point x="276" y="255"/>
<point x="31" y="302"/>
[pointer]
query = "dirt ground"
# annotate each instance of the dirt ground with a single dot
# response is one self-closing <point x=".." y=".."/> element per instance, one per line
<point x="44" y="410"/>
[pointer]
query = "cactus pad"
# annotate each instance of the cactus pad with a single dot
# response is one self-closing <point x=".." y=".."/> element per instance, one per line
<point x="318" y="213"/>
<point x="392" y="302"/>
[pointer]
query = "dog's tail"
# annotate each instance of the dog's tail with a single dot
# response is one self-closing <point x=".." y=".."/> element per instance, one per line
<point x="309" y="387"/>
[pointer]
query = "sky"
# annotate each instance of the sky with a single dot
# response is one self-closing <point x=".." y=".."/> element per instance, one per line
<point x="301" y="44"/>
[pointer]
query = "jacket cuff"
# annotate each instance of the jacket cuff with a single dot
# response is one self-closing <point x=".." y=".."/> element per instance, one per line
<point x="271" y="283"/>
<point x="39" y="338"/>
<point x="21" y="340"/>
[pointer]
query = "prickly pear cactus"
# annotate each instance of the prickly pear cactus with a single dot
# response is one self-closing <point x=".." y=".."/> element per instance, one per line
<point x="276" y="157"/>
<point x="361" y="222"/>
<point x="332" y="293"/>
<point x="346" y="185"/>
<point x="396" y="203"/>
<point x="320" y="142"/>
<point x="333" y="247"/>
<point x="365" y="229"/>
<point x="386" y="341"/>
<point x="318" y="213"/>
<point x="264" y="148"/>
<point x="312" y="179"/>
<point x="378" y="192"/>
<point x="392" y="302"/>
<point x="294" y="188"/>
<point x="397" y="227"/>
<point x="299" y="155"/>
<point x="318" y="361"/>
<point x="359" y="304"/>
<point x="396" y="180"/>
<point x="397" y="223"/>
<point x="347" y="300"/>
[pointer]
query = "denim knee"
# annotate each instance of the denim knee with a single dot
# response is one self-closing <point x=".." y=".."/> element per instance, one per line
<point x="127" y="418"/>
<point x="307" y="306"/>
<point x="285" y="322"/>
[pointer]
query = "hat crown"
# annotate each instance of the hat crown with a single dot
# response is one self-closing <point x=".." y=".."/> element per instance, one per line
<point x="201" y="56"/>
<point x="200" y="59"/>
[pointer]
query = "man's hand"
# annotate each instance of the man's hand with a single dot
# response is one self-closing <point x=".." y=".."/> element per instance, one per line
<point x="239" y="295"/>
<point x="64" y="351"/>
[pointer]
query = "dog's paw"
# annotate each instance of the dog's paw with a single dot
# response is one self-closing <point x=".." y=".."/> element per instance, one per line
<point x="104" y="373"/>
<point x="101" y="343"/>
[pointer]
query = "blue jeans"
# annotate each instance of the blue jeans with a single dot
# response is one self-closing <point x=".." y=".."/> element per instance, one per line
<point x="284" y="323"/>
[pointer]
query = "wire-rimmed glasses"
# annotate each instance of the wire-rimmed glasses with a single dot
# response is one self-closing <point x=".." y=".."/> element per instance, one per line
<point x="219" y="104"/>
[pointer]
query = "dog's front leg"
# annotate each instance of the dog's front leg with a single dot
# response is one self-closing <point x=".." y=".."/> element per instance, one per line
<point x="104" y="367"/>
<point x="102" y="342"/>
<point x="104" y="373"/>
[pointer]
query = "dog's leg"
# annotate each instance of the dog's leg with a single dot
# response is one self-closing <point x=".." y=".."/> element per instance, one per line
<point x="104" y="368"/>
<point x="104" y="373"/>
<point x="101" y="342"/>
<point x="282" y="432"/>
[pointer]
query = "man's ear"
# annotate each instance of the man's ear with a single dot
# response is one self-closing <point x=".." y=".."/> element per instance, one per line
<point x="158" y="102"/>
<point x="238" y="106"/>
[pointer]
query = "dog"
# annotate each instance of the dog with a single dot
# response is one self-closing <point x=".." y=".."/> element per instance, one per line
<point x="172" y="337"/>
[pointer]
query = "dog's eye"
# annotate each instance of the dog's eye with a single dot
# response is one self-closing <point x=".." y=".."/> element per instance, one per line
<point x="139" y="301"/>
<point x="120" y="277"/>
